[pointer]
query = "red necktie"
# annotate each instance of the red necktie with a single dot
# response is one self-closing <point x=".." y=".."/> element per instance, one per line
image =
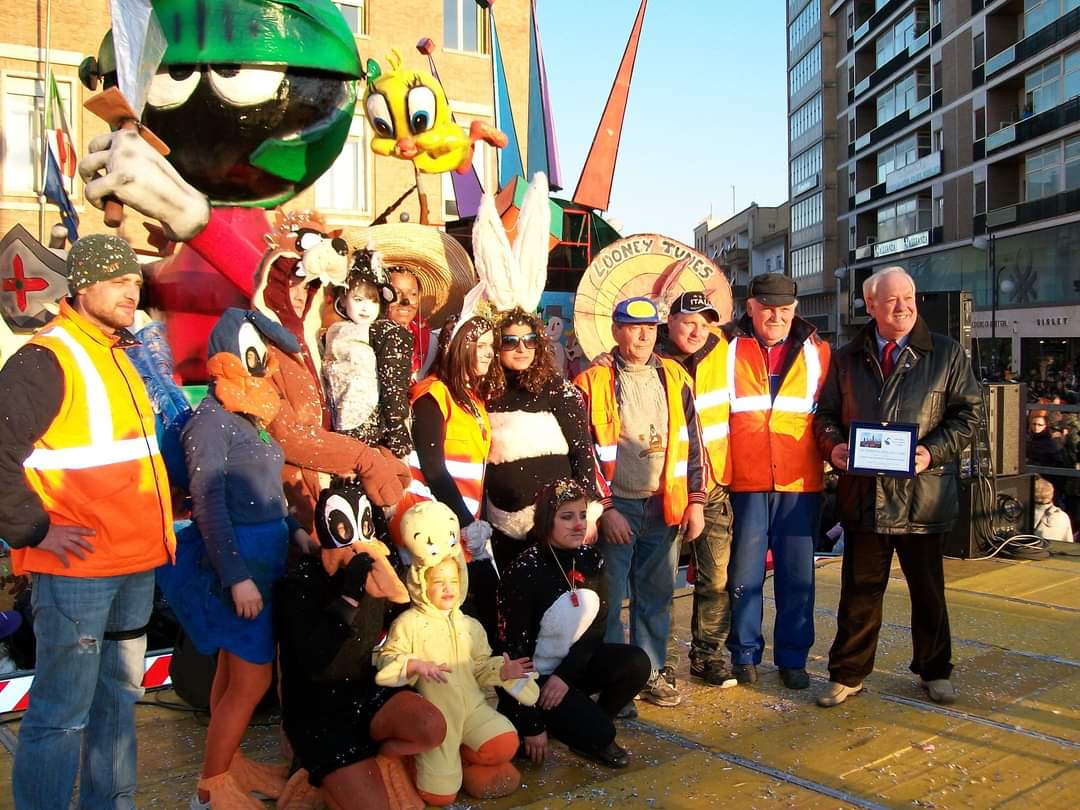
<point x="888" y="362"/>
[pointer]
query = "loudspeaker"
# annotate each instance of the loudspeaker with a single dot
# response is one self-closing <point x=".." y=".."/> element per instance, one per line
<point x="1004" y="511"/>
<point x="1005" y="424"/>
<point x="948" y="313"/>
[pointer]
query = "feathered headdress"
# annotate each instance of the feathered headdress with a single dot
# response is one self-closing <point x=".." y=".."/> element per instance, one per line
<point x="510" y="277"/>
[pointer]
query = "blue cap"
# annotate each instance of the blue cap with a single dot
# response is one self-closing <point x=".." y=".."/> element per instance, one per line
<point x="636" y="310"/>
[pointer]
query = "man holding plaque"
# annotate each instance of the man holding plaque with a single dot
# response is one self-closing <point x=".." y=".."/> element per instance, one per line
<point x="895" y="383"/>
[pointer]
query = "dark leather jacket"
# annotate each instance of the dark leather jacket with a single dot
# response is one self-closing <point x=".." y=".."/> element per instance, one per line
<point x="932" y="386"/>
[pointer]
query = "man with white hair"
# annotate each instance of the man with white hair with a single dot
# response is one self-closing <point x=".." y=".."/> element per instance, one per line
<point x="896" y="371"/>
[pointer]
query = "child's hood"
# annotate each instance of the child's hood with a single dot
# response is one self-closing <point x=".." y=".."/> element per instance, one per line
<point x="430" y="533"/>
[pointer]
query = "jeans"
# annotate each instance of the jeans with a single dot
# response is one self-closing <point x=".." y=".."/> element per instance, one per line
<point x="84" y="692"/>
<point x="646" y="568"/>
<point x="785" y="522"/>
<point x="711" y="618"/>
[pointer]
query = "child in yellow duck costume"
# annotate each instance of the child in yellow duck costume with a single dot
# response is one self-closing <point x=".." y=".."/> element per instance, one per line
<point x="445" y="655"/>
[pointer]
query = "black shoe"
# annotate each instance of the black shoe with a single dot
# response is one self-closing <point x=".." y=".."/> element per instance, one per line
<point x="714" y="673"/>
<point x="612" y="755"/>
<point x="794" y="678"/>
<point x="744" y="673"/>
<point x="627" y="712"/>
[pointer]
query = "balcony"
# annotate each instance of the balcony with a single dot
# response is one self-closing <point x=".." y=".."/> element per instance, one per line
<point x="896" y="123"/>
<point x="882" y="74"/>
<point x="1059" y="29"/>
<point x="1033" y="126"/>
<point x="881" y="12"/>
<point x="1056" y="205"/>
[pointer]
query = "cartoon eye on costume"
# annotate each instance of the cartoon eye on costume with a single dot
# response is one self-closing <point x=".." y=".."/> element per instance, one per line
<point x="378" y="114"/>
<point x="252" y="349"/>
<point x="306" y="239"/>
<point x="246" y="86"/>
<point x="341" y="521"/>
<point x="172" y="86"/>
<point x="420" y="105"/>
<point x="367" y="525"/>
<point x="453" y="539"/>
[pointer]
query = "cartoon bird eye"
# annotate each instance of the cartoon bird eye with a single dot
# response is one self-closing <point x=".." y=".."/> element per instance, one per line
<point x="378" y="114"/>
<point x="367" y="525"/>
<point x="307" y="239"/>
<point x="172" y="86"/>
<point x="252" y="350"/>
<point x="420" y="104"/>
<point x="244" y="86"/>
<point x="340" y="520"/>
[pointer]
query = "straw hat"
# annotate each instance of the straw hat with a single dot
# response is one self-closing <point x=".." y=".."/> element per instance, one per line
<point x="644" y="265"/>
<point x="441" y="264"/>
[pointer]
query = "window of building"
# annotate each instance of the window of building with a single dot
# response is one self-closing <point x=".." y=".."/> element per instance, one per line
<point x="853" y="187"/>
<point x="903" y="217"/>
<point x="806" y="214"/>
<point x="980" y="198"/>
<point x="851" y="21"/>
<point x="465" y="26"/>
<point x="802" y="25"/>
<point x="935" y="12"/>
<point x="1052" y="169"/>
<point x="852" y="239"/>
<point x="978" y="49"/>
<point x="938" y="209"/>
<point x="1040" y="13"/>
<point x="899" y="98"/>
<point x="901" y="154"/>
<point x="980" y="123"/>
<point x="805" y="166"/>
<point x="851" y="129"/>
<point x="355" y="14"/>
<point x="1052" y="83"/>
<point x="806" y="69"/>
<point x="897" y="38"/>
<point x="937" y="138"/>
<point x="806" y="261"/>
<point x="806" y="117"/>
<point x="24" y="106"/>
<point x="935" y="76"/>
<point x="343" y="187"/>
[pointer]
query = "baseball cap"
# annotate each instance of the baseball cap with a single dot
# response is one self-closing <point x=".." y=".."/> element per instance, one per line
<point x="773" y="289"/>
<point x="694" y="302"/>
<point x="636" y="310"/>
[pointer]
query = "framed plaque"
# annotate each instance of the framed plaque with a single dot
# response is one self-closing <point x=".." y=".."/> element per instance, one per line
<point x="882" y="448"/>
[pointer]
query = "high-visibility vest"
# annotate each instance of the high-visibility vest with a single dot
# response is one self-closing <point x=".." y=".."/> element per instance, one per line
<point x="466" y="441"/>
<point x="712" y="393"/>
<point x="598" y="385"/>
<point x="98" y="464"/>
<point x="772" y="440"/>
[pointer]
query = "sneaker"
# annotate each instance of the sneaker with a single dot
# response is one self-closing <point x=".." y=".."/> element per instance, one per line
<point x="611" y="755"/>
<point x="627" y="712"/>
<point x="940" y="690"/>
<point x="195" y="804"/>
<point x="744" y="673"/>
<point x="837" y="694"/>
<point x="794" y="678"/>
<point x="713" y="672"/>
<point x="660" y="689"/>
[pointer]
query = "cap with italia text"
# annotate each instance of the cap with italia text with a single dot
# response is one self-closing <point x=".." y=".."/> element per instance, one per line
<point x="636" y="310"/>
<point x="695" y="302"/>
<point x="773" y="289"/>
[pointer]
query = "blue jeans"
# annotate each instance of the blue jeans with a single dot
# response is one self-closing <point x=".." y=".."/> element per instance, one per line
<point x="647" y="568"/>
<point x="785" y="522"/>
<point x="84" y="692"/>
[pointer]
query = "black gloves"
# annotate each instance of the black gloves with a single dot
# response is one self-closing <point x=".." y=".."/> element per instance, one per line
<point x="355" y="575"/>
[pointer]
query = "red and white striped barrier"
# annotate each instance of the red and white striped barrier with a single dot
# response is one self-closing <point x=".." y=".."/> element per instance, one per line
<point x="15" y="690"/>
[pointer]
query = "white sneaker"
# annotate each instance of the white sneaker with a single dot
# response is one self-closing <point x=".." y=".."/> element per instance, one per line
<point x="195" y="804"/>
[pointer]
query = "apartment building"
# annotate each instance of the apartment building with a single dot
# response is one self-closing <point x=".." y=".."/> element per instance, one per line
<point x="356" y="189"/>
<point x="961" y="120"/>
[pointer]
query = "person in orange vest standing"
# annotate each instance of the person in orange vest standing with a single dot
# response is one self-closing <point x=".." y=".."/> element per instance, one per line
<point x="84" y="503"/>
<point x="777" y="367"/>
<point x="648" y="441"/>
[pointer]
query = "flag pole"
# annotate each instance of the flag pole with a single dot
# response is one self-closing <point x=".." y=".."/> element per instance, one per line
<point x="44" y="133"/>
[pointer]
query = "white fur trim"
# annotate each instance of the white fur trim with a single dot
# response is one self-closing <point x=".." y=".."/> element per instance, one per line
<point x="512" y="524"/>
<point x="561" y="626"/>
<point x="524" y="434"/>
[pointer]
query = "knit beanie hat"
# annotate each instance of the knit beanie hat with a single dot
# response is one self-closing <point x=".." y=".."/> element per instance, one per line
<point x="99" y="257"/>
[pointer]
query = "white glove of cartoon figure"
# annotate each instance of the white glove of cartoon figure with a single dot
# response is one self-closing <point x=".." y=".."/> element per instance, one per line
<point x="477" y="538"/>
<point x="136" y="175"/>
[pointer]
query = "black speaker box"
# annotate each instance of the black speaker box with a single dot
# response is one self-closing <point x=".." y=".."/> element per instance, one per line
<point x="1006" y="512"/>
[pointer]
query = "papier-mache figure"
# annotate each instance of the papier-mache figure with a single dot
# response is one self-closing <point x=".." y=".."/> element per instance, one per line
<point x="445" y="655"/>
<point x="368" y="360"/>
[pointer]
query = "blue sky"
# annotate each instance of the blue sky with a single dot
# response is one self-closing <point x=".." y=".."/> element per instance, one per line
<point x="707" y="104"/>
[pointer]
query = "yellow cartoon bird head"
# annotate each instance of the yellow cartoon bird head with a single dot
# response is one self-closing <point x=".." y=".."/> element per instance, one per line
<point x="411" y="118"/>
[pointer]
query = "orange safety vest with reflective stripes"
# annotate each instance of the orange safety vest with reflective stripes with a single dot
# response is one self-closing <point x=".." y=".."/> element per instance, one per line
<point x="772" y="440"/>
<point x="598" y="385"/>
<point x="712" y="392"/>
<point x="98" y="464"/>
<point x="466" y="441"/>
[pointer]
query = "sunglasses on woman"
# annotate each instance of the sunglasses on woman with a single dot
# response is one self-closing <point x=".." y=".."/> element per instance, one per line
<point x="510" y="342"/>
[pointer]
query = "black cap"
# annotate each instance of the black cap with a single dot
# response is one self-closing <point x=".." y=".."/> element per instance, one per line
<point x="773" y="289"/>
<point x="694" y="302"/>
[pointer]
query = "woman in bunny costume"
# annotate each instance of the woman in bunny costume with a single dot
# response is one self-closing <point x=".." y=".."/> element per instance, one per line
<point x="539" y="432"/>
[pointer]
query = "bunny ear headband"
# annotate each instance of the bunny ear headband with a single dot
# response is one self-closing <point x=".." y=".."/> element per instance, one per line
<point x="510" y="277"/>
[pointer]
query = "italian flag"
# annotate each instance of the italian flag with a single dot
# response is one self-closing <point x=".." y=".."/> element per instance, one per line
<point x="59" y="136"/>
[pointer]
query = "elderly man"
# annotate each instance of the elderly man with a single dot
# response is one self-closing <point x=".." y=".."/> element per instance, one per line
<point x="896" y="370"/>
<point x="84" y="503"/>
<point x="777" y="366"/>
<point x="645" y="427"/>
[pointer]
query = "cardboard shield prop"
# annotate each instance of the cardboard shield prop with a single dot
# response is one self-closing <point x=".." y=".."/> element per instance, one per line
<point x="32" y="278"/>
